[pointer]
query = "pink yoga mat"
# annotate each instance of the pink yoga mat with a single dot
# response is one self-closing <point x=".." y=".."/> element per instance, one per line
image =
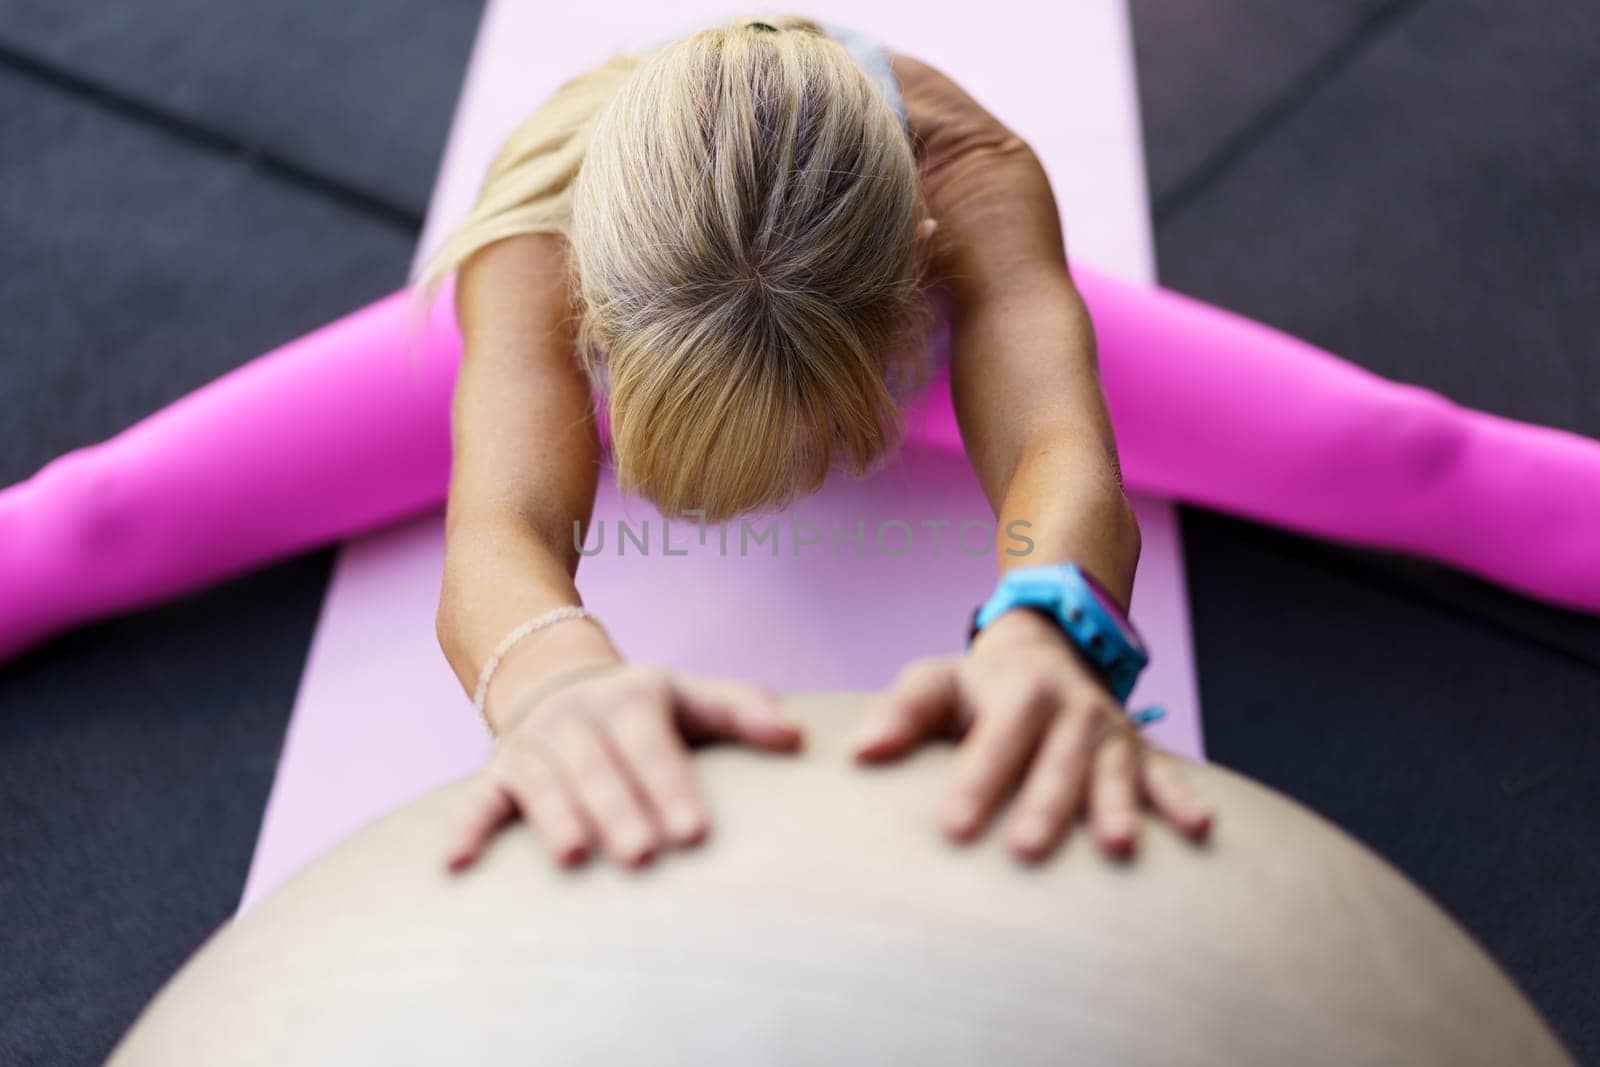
<point x="379" y="717"/>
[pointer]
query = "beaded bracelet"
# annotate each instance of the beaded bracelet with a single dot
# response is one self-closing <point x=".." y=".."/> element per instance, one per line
<point x="480" y="695"/>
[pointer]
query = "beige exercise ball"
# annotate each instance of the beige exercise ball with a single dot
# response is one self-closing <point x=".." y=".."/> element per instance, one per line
<point x="826" y="922"/>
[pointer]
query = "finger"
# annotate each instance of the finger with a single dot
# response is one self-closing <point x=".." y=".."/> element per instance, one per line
<point x="485" y="808"/>
<point x="920" y="701"/>
<point x="603" y="790"/>
<point x="546" y="802"/>
<point x="722" y="709"/>
<point x="991" y="758"/>
<point x="653" y="749"/>
<point x="1053" y="795"/>
<point x="1169" y="793"/>
<point x="1113" y="798"/>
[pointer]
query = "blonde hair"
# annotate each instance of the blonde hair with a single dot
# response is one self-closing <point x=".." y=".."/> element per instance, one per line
<point x="742" y="211"/>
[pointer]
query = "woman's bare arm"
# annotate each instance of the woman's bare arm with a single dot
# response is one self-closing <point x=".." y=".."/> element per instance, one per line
<point x="525" y="466"/>
<point x="1038" y="718"/>
<point x="1024" y="374"/>
<point x="602" y="759"/>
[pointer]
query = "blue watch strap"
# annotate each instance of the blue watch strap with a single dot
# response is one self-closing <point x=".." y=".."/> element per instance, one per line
<point x="1088" y="617"/>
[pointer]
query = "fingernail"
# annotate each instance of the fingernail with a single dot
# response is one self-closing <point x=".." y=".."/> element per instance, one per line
<point x="1031" y="834"/>
<point x="961" y="814"/>
<point x="634" y="841"/>
<point x="1117" y="835"/>
<point x="868" y="732"/>
<point x="875" y="736"/>
<point x="683" y="821"/>
<point x="864" y="748"/>
<point x="779" y="732"/>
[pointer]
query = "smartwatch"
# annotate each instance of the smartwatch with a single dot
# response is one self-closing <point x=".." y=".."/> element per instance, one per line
<point x="1089" y="616"/>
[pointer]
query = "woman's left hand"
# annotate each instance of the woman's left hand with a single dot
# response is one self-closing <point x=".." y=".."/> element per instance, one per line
<point x="1029" y="708"/>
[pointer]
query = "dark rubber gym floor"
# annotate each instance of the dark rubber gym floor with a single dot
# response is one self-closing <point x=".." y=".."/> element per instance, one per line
<point x="1414" y="184"/>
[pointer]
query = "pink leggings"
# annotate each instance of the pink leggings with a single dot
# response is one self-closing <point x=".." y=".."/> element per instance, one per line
<point x="347" y="429"/>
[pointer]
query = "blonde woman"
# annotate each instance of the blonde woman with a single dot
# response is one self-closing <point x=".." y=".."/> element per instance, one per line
<point x="749" y="232"/>
<point x="724" y="247"/>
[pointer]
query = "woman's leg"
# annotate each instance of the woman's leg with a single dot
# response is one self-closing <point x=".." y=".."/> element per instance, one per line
<point x="1220" y="411"/>
<point x="342" y="430"/>
<point x="348" y="428"/>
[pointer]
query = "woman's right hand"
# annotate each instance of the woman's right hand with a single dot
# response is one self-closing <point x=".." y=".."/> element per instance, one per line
<point x="604" y="761"/>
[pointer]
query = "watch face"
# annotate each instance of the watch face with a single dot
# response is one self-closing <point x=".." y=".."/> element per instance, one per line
<point x="1110" y="606"/>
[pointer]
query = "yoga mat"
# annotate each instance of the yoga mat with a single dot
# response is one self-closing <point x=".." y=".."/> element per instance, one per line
<point x="379" y="717"/>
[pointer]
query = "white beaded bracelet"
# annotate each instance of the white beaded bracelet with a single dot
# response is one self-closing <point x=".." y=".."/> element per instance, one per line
<point x="480" y="695"/>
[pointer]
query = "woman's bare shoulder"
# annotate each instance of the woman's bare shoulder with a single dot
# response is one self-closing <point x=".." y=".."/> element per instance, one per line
<point x="944" y="119"/>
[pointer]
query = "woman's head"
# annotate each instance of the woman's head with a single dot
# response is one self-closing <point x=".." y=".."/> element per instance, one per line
<point x="744" y="236"/>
